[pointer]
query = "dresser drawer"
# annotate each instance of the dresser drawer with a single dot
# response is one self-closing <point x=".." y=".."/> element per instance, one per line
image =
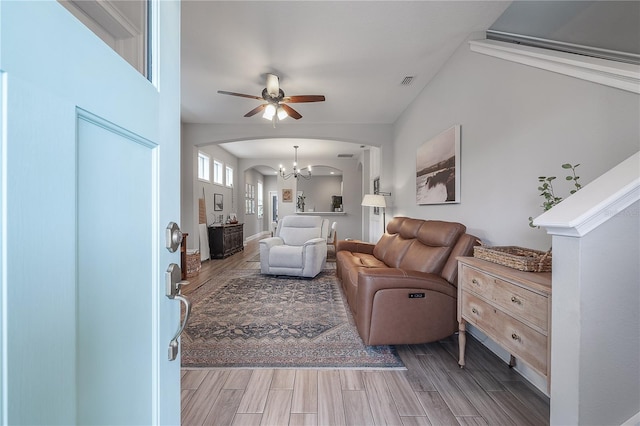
<point x="519" y="339"/>
<point x="515" y="300"/>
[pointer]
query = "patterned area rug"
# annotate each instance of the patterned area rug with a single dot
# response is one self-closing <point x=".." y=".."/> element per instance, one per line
<point x="244" y="319"/>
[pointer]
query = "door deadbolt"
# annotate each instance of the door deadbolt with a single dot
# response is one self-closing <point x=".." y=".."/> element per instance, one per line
<point x="173" y="237"/>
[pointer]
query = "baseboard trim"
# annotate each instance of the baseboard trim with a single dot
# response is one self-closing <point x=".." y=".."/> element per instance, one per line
<point x="257" y="236"/>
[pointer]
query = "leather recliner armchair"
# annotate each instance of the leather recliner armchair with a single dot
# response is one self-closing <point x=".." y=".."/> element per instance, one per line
<point x="299" y="247"/>
<point x="403" y="290"/>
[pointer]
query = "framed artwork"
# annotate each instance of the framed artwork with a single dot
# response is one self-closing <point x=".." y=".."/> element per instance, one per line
<point x="376" y="190"/>
<point x="438" y="169"/>
<point x="217" y="202"/>
<point x="287" y="195"/>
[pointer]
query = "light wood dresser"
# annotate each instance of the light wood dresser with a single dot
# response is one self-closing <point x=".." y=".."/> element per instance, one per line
<point x="511" y="307"/>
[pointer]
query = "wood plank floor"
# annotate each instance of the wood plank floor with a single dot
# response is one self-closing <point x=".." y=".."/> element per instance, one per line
<point x="432" y="391"/>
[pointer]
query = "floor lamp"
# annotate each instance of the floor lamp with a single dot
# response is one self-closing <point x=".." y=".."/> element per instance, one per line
<point x="376" y="200"/>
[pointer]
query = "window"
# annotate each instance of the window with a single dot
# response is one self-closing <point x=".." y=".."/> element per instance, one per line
<point x="203" y="167"/>
<point x="249" y="198"/>
<point x="229" y="180"/>
<point x="122" y="25"/>
<point x="217" y="172"/>
<point x="259" y="197"/>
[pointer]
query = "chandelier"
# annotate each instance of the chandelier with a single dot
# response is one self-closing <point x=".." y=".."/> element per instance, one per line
<point x="296" y="173"/>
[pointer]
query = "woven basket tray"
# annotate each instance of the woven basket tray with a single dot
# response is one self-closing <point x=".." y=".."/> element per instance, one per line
<point x="522" y="259"/>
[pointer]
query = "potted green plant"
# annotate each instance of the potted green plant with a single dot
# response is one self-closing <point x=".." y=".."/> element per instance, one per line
<point x="547" y="191"/>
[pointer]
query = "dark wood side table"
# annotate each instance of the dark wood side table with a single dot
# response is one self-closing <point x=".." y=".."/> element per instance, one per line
<point x="226" y="240"/>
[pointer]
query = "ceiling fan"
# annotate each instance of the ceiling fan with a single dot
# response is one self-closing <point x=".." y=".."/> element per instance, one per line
<point x="276" y="107"/>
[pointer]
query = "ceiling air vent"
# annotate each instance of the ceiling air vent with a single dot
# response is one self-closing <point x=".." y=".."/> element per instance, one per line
<point x="345" y="155"/>
<point x="407" y="80"/>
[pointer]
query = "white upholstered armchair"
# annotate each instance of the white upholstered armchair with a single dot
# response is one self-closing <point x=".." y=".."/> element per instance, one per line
<point x="299" y="247"/>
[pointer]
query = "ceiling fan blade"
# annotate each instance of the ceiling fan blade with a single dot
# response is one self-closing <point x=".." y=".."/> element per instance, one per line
<point x="303" y="98"/>
<point x="291" y="112"/>
<point x="255" y="110"/>
<point x="242" y="95"/>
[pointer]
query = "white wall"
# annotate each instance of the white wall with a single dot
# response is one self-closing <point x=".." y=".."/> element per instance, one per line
<point x="517" y="123"/>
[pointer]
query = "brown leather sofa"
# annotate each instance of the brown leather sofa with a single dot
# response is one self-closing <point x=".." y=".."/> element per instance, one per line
<point x="403" y="289"/>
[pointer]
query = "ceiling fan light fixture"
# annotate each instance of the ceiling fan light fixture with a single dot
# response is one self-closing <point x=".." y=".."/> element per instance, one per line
<point x="282" y="114"/>
<point x="269" y="112"/>
<point x="276" y="104"/>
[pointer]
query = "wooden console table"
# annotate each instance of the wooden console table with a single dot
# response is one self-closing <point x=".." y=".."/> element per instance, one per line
<point x="511" y="307"/>
<point x="225" y="240"/>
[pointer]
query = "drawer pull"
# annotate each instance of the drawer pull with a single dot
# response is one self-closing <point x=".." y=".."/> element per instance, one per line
<point x="474" y="281"/>
<point x="474" y="310"/>
<point x="516" y="300"/>
<point x="515" y="337"/>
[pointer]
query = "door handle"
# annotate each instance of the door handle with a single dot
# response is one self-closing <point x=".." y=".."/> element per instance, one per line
<point x="174" y="286"/>
<point x="173" y="345"/>
<point x="173" y="281"/>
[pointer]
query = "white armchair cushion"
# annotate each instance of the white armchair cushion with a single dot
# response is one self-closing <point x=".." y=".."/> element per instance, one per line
<point x="298" y="236"/>
<point x="286" y="256"/>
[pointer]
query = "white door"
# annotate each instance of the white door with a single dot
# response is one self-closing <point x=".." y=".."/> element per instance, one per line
<point x="90" y="180"/>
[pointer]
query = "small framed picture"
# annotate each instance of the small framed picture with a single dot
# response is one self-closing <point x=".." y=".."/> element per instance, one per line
<point x="217" y="202"/>
<point x="287" y="195"/>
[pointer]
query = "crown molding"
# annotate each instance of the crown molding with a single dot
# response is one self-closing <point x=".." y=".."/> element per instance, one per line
<point x="616" y="74"/>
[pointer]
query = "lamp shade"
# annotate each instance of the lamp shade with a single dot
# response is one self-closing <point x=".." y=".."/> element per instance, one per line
<point x="374" y="200"/>
<point x="269" y="112"/>
<point x="282" y="114"/>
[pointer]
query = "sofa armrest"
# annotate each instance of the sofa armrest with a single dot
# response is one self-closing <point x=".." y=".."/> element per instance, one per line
<point x="355" y="246"/>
